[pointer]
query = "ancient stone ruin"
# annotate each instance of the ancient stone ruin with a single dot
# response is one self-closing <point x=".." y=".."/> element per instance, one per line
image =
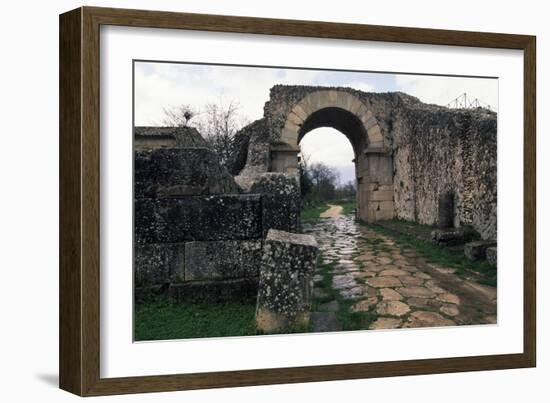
<point x="205" y="233"/>
<point x="407" y="153"/>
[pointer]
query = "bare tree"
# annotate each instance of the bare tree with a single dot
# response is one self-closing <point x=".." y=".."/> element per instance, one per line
<point x="323" y="179"/>
<point x="179" y="115"/>
<point x="346" y="191"/>
<point x="218" y="123"/>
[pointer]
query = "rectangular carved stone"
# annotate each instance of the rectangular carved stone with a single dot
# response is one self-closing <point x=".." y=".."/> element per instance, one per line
<point x="156" y="264"/>
<point x="243" y="290"/>
<point x="286" y="276"/>
<point x="280" y="201"/>
<point x="203" y="218"/>
<point x="175" y="171"/>
<point x="209" y="260"/>
<point x="449" y="236"/>
<point x="381" y="195"/>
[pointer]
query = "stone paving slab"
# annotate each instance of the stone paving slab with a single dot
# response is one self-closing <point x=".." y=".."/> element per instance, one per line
<point x="399" y="287"/>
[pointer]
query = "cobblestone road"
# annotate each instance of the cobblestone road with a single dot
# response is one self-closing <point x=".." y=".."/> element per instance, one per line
<point x="372" y="273"/>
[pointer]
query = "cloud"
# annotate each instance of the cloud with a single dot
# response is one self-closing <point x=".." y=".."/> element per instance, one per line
<point x="441" y="90"/>
<point x="162" y="85"/>
<point x="331" y="147"/>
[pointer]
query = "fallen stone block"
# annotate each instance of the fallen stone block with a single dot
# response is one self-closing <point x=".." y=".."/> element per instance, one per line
<point x="476" y="250"/>
<point x="286" y="282"/>
<point x="491" y="255"/>
<point x="450" y="236"/>
<point x="210" y="260"/>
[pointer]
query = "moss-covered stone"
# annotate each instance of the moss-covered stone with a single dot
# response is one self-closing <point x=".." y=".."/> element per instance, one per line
<point x="286" y="282"/>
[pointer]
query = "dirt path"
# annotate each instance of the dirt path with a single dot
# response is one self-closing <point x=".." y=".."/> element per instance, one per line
<point x="396" y="286"/>
<point x="332" y="212"/>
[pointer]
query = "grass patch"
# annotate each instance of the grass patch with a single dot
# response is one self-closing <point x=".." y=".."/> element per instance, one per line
<point x="164" y="319"/>
<point x="445" y="257"/>
<point x="311" y="214"/>
<point x="359" y="320"/>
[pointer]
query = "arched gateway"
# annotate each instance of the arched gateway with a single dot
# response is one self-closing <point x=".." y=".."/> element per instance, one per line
<point x="346" y="113"/>
<point x="407" y="153"/>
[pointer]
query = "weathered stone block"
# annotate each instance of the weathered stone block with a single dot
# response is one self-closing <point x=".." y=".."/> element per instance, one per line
<point x="297" y="110"/>
<point x="187" y="171"/>
<point x="381" y="195"/>
<point x="204" y="218"/>
<point x="491" y="255"/>
<point x="242" y="290"/>
<point x="210" y="260"/>
<point x="476" y="250"/>
<point x="286" y="282"/>
<point x="150" y="137"/>
<point x="280" y="201"/>
<point x="156" y="264"/>
<point x="451" y="236"/>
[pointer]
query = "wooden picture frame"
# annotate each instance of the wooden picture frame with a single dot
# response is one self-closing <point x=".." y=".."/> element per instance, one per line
<point x="79" y="346"/>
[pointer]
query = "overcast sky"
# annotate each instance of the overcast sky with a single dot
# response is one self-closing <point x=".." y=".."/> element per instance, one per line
<point x="163" y="85"/>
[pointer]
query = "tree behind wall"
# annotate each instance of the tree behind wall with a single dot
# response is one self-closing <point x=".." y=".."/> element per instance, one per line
<point x="320" y="182"/>
<point x="217" y="123"/>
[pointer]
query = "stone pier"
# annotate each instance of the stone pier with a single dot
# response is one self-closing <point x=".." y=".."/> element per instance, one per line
<point x="286" y="280"/>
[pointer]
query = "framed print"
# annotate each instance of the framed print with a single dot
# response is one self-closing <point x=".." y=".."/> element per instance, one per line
<point x="249" y="201"/>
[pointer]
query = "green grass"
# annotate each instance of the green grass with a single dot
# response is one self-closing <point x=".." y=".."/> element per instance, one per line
<point x="311" y="214"/>
<point x="443" y="256"/>
<point x="163" y="320"/>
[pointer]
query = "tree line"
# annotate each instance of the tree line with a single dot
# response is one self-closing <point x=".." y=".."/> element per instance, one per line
<point x="321" y="183"/>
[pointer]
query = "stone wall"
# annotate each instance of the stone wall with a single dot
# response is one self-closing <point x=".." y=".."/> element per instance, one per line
<point x="407" y="153"/>
<point x="447" y="151"/>
<point x="197" y="236"/>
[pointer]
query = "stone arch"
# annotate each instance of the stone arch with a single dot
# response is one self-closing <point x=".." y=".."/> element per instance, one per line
<point x="331" y="99"/>
<point x="345" y="112"/>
